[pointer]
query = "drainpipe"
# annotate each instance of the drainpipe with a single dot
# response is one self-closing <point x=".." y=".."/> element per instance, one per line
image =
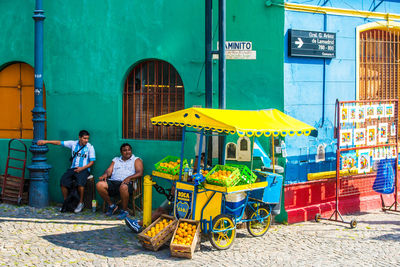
<point x="222" y="72"/>
<point x="39" y="169"/>
<point x="324" y="80"/>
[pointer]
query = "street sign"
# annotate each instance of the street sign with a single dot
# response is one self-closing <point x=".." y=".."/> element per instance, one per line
<point x="312" y="44"/>
<point x="238" y="50"/>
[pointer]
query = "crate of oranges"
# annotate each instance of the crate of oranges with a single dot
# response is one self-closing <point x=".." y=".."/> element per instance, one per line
<point x="223" y="175"/>
<point x="185" y="239"/>
<point x="169" y="165"/>
<point x="158" y="233"/>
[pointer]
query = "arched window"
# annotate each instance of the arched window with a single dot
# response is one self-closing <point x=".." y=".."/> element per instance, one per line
<point x="379" y="61"/>
<point x="152" y="88"/>
<point x="16" y="101"/>
<point x="230" y="151"/>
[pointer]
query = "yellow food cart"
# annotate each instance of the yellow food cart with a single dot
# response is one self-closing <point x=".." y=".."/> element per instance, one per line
<point x="207" y="203"/>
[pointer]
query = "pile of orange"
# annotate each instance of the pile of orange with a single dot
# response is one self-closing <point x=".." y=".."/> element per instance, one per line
<point x="184" y="234"/>
<point x="171" y="164"/>
<point x="153" y="231"/>
<point x="221" y="174"/>
<point x="203" y="172"/>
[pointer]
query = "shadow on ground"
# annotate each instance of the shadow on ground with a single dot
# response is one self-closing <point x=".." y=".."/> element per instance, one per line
<point x="116" y="242"/>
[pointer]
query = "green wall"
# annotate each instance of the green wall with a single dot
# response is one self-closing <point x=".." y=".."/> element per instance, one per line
<point x="90" y="47"/>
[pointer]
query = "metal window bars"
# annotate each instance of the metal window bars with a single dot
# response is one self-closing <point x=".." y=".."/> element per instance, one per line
<point x="152" y="88"/>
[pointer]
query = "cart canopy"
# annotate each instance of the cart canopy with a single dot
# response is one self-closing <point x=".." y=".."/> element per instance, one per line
<point x="243" y="122"/>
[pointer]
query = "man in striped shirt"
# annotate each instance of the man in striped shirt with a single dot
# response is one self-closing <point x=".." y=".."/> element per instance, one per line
<point x="82" y="157"/>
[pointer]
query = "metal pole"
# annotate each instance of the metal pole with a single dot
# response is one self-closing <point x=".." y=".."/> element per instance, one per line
<point x="208" y="39"/>
<point x="337" y="158"/>
<point x="221" y="71"/>
<point x="208" y="67"/>
<point x="39" y="169"/>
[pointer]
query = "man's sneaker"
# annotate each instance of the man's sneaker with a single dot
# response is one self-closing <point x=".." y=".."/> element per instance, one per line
<point x="133" y="225"/>
<point x="122" y="215"/>
<point x="79" y="208"/>
<point x="111" y="210"/>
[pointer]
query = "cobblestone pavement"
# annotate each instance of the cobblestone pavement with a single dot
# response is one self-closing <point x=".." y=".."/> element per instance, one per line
<point x="45" y="237"/>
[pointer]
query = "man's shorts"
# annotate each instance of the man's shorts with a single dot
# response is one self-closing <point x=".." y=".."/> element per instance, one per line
<point x="113" y="187"/>
<point x="167" y="206"/>
<point x="70" y="176"/>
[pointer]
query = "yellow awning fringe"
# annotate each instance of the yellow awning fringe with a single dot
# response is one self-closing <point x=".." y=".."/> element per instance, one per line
<point x="243" y="122"/>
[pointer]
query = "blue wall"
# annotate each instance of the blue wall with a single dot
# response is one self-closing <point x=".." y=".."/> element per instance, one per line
<point x="304" y="79"/>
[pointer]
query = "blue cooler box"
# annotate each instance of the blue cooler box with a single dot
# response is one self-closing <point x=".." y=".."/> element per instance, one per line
<point x="233" y="202"/>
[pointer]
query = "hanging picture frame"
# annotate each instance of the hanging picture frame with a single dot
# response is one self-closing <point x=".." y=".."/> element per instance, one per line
<point x="389" y="110"/>
<point x="375" y="153"/>
<point x="370" y="112"/>
<point x="360" y="114"/>
<point x="380" y="111"/>
<point x="359" y="137"/>
<point x="393" y="129"/>
<point x="364" y="161"/>
<point x="382" y="132"/>
<point x="352" y="114"/>
<point x="348" y="160"/>
<point x="393" y="152"/>
<point x="346" y="137"/>
<point x="344" y="114"/>
<point x="371" y="135"/>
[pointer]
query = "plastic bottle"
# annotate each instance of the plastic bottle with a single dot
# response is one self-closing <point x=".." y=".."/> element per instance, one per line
<point x="191" y="168"/>
<point x="283" y="148"/>
<point x="94" y="205"/>
<point x="185" y="172"/>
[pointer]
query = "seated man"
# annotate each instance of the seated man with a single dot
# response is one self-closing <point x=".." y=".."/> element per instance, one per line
<point x="82" y="158"/>
<point x="119" y="178"/>
<point x="166" y="207"/>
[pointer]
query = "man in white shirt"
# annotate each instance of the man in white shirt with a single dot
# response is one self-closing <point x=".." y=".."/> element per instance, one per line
<point x="120" y="178"/>
<point x="82" y="158"/>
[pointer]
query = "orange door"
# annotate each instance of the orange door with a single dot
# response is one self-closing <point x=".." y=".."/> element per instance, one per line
<point x="16" y="101"/>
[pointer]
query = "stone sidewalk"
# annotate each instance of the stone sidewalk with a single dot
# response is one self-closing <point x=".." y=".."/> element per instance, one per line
<point x="45" y="237"/>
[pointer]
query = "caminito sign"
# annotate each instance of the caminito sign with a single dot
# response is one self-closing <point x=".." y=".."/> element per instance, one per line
<point x="312" y="44"/>
<point x="238" y="50"/>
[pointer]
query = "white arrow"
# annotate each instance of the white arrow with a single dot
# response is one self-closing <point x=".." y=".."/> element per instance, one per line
<point x="299" y="42"/>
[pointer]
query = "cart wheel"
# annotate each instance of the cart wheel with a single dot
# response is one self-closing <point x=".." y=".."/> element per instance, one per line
<point x="256" y="226"/>
<point x="353" y="223"/>
<point x="223" y="232"/>
<point x="318" y="217"/>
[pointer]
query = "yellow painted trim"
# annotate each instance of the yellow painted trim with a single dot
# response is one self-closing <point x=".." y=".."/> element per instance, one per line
<point x="184" y="186"/>
<point x="236" y="188"/>
<point x="165" y="175"/>
<point x="330" y="174"/>
<point x="341" y="11"/>
<point x="383" y="25"/>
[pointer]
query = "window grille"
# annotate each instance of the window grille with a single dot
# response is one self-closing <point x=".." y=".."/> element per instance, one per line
<point x="379" y="64"/>
<point x="152" y="88"/>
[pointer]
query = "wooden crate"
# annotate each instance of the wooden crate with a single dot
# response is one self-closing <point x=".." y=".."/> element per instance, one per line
<point x="184" y="251"/>
<point x="155" y="242"/>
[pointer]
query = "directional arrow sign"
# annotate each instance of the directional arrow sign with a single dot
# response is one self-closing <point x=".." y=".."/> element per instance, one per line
<point x="312" y="44"/>
<point x="299" y="43"/>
